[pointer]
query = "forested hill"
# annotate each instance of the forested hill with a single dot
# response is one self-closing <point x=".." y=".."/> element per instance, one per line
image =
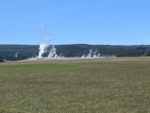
<point x="8" y="52"/>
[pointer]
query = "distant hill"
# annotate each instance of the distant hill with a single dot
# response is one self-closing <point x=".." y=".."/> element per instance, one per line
<point x="9" y="52"/>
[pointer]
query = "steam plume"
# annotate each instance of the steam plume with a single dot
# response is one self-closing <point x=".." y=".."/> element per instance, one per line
<point x="52" y="52"/>
<point x="43" y="47"/>
<point x="92" y="54"/>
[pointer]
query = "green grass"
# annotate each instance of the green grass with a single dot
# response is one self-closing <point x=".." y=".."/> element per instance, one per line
<point x="80" y="86"/>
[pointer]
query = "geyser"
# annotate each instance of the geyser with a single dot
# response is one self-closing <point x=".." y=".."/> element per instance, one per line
<point x="92" y="54"/>
<point x="52" y="52"/>
<point x="45" y="48"/>
<point x="42" y="49"/>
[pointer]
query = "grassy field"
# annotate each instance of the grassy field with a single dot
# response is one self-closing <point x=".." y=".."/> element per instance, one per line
<point x="113" y="85"/>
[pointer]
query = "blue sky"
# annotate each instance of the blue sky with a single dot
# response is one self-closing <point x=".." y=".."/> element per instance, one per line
<point x="115" y="22"/>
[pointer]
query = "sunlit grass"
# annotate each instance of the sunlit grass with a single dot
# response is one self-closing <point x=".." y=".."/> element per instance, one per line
<point x="80" y="86"/>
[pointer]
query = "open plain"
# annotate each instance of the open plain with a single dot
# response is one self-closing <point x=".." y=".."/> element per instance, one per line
<point x="105" y="85"/>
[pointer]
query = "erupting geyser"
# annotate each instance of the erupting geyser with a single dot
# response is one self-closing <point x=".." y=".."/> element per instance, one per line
<point x="45" y="48"/>
<point x="92" y="54"/>
<point x="52" y="52"/>
<point x="42" y="49"/>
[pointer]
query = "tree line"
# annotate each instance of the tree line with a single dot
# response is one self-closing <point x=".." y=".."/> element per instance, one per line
<point x="8" y="52"/>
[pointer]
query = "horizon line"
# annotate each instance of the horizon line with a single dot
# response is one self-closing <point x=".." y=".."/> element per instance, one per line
<point x="83" y="44"/>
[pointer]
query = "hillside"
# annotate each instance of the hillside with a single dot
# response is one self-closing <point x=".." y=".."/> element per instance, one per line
<point x="9" y="52"/>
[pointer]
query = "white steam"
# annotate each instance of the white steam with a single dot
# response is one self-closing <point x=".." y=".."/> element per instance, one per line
<point x="43" y="47"/>
<point x="42" y="50"/>
<point x="92" y="54"/>
<point x="52" y="52"/>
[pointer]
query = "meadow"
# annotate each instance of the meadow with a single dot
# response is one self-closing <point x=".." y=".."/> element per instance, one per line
<point x="105" y="85"/>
